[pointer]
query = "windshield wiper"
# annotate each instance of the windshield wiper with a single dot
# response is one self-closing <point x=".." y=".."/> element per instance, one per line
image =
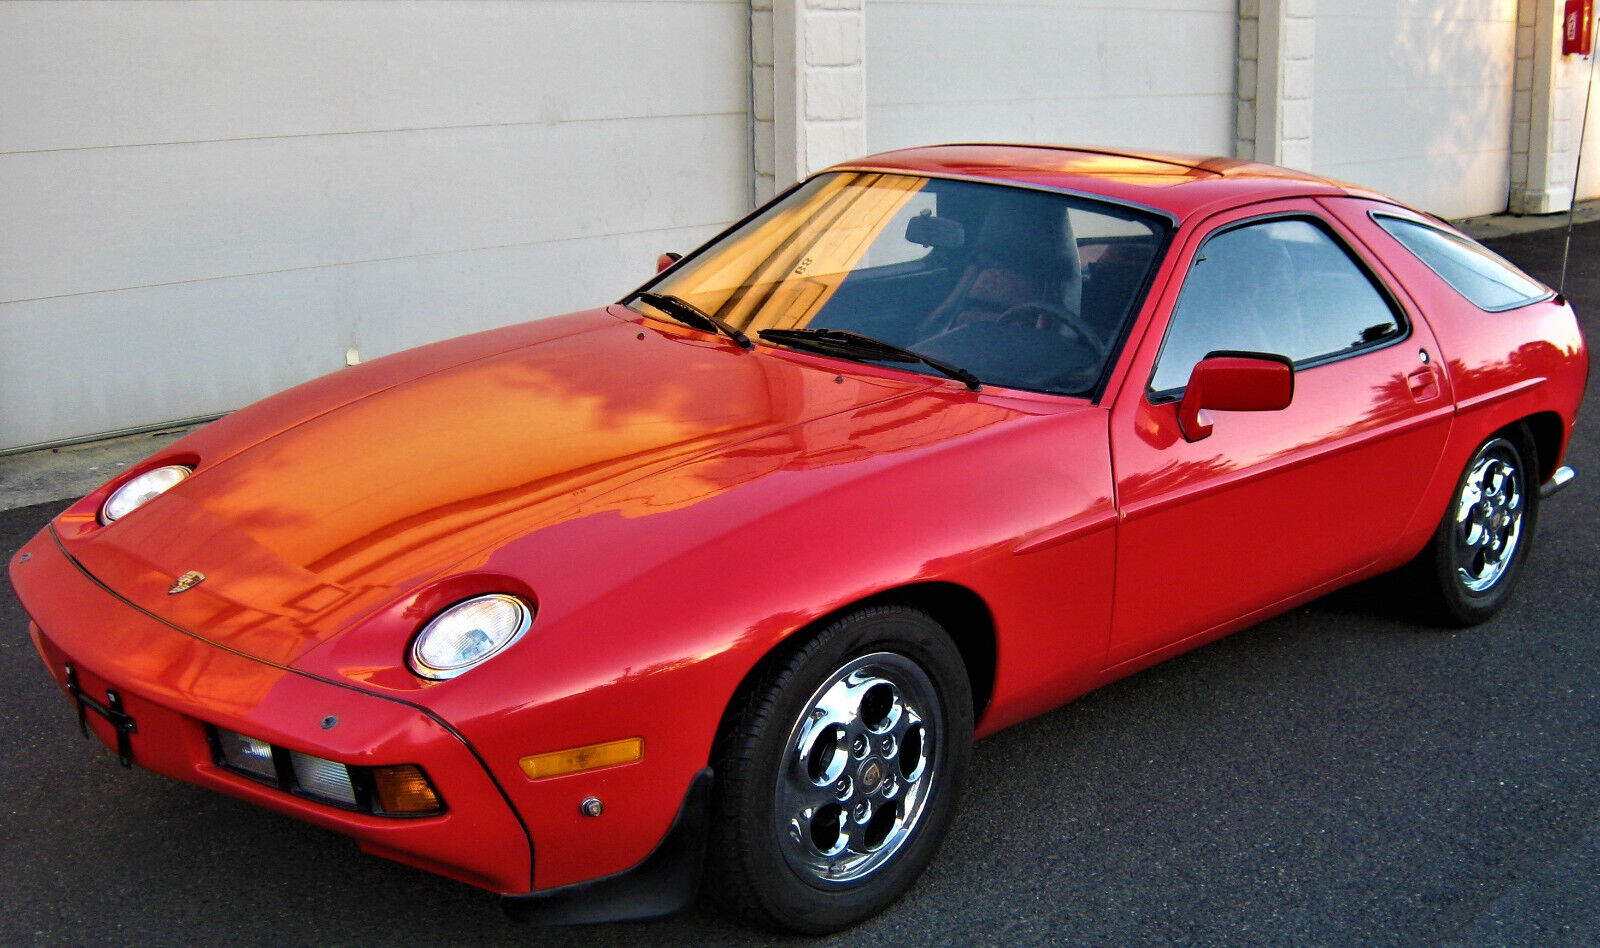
<point x="854" y="345"/>
<point x="686" y="312"/>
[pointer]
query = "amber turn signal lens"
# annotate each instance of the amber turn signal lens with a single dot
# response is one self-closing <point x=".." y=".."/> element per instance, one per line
<point x="404" y="789"/>
<point x="576" y="759"/>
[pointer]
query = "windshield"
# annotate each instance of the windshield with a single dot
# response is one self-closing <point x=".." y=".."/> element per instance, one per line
<point x="1023" y="288"/>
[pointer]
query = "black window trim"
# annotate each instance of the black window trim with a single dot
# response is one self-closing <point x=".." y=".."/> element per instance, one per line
<point x="1377" y="216"/>
<point x="1402" y="318"/>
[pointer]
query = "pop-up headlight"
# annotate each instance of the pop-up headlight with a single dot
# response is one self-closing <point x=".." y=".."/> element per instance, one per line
<point x="143" y="489"/>
<point x="468" y="633"/>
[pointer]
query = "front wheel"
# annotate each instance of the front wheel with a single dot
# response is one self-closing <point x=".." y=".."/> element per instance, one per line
<point x="1474" y="557"/>
<point x="840" y="772"/>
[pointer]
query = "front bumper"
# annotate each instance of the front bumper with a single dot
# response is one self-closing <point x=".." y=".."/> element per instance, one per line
<point x="167" y="686"/>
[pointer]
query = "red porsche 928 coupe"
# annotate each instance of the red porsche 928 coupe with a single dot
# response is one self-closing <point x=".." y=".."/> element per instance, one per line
<point x="725" y="578"/>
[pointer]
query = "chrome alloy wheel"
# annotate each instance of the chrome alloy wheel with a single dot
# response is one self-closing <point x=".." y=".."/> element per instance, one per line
<point x="856" y="772"/>
<point x="1489" y="516"/>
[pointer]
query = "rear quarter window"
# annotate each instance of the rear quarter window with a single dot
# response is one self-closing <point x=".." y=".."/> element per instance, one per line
<point x="1479" y="274"/>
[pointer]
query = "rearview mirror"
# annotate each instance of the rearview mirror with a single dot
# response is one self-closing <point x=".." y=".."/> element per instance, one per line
<point x="1234" y="381"/>
<point x="666" y="260"/>
<point x="935" y="232"/>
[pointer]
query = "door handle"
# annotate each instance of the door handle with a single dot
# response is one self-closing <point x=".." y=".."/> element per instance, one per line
<point x="1423" y="384"/>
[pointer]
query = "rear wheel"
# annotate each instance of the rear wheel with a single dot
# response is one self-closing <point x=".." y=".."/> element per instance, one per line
<point x="1472" y="562"/>
<point x="840" y="772"/>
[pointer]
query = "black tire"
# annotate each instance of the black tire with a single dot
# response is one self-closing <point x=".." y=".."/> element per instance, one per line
<point x="847" y="755"/>
<point x="1470" y="566"/>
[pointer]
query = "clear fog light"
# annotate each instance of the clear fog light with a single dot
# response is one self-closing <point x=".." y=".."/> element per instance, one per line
<point x="393" y="790"/>
<point x="247" y="754"/>
<point x="323" y="778"/>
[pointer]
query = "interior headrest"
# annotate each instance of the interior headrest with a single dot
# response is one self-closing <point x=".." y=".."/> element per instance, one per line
<point x="1029" y="231"/>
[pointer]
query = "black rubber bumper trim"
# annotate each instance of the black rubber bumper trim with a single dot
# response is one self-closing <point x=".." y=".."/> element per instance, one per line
<point x="666" y="881"/>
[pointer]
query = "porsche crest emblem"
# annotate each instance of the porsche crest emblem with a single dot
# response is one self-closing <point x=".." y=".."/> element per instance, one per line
<point x="186" y="582"/>
<point x="872" y="776"/>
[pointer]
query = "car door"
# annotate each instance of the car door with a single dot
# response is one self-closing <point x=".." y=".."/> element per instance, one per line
<point x="1270" y="504"/>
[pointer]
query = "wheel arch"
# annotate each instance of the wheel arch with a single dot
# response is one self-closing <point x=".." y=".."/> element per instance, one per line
<point x="1548" y="434"/>
<point x="962" y="613"/>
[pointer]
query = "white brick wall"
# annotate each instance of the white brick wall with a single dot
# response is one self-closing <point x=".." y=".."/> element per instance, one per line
<point x="817" y="50"/>
<point x="1547" y="118"/>
<point x="763" y="80"/>
<point x="1277" y="82"/>
<point x="833" y="37"/>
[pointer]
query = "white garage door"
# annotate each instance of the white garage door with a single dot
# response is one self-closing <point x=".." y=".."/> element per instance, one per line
<point x="1413" y="97"/>
<point x="1150" y="73"/>
<point x="205" y="203"/>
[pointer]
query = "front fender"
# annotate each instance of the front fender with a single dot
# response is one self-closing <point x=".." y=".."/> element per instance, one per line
<point x="654" y="607"/>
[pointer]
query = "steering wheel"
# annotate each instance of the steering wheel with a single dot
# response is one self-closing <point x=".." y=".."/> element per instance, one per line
<point x="1051" y="317"/>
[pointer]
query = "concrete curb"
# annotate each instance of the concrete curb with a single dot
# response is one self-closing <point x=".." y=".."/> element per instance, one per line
<point x="63" y="474"/>
<point x="1506" y="225"/>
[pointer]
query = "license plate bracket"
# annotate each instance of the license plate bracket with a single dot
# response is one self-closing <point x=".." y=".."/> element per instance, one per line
<point x="122" y="723"/>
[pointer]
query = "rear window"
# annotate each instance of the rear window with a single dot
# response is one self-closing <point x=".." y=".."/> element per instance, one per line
<point x="1476" y="272"/>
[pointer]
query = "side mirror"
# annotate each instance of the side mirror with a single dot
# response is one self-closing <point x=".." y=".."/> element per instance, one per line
<point x="666" y="260"/>
<point x="1234" y="381"/>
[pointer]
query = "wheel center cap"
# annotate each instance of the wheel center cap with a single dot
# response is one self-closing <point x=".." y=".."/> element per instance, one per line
<point x="871" y="775"/>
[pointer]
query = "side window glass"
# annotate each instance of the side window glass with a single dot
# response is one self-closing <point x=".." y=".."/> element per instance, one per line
<point x="1487" y="281"/>
<point x="1283" y="286"/>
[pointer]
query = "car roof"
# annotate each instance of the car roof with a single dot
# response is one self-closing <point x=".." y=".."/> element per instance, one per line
<point x="1181" y="185"/>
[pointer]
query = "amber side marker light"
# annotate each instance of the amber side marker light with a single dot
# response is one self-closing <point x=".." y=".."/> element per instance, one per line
<point x="404" y="789"/>
<point x="578" y="759"/>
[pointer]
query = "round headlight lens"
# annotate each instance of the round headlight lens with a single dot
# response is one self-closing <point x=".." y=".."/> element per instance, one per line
<point x="468" y="633"/>
<point x="141" y="490"/>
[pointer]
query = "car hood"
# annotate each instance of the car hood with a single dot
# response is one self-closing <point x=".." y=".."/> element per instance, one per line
<point x="313" y="508"/>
